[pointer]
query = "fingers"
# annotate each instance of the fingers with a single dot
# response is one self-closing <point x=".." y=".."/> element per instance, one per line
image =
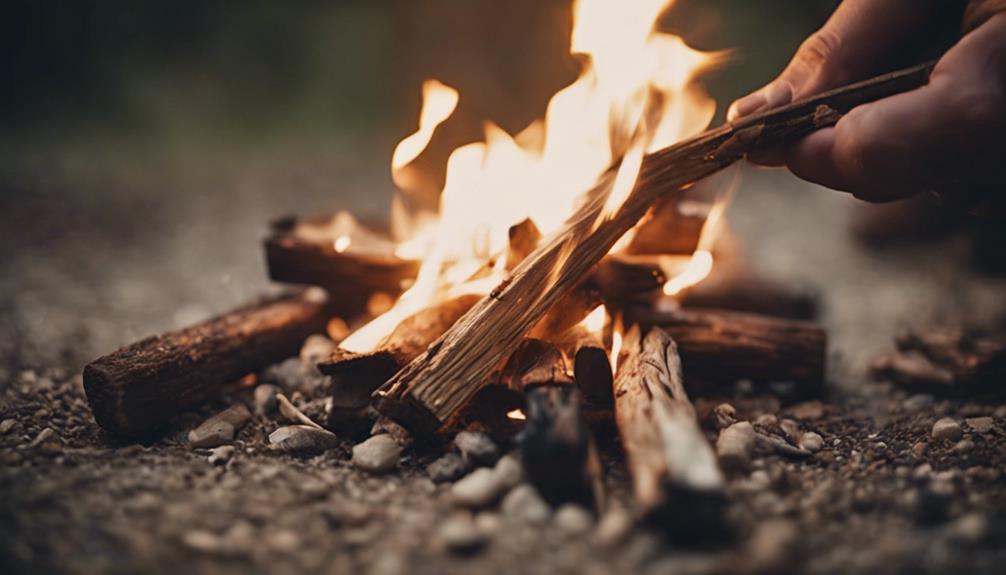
<point x="860" y="39"/>
<point x="944" y="132"/>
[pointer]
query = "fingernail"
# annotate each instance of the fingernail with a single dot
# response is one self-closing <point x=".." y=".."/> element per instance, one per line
<point x="746" y="105"/>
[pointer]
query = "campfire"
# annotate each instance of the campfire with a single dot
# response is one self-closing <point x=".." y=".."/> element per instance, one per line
<point x="574" y="285"/>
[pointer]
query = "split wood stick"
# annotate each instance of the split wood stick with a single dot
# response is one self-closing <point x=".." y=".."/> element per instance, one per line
<point x="294" y="258"/>
<point x="585" y="350"/>
<point x="356" y="375"/>
<point x="559" y="455"/>
<point x="676" y="479"/>
<point x="719" y="346"/>
<point x="136" y="390"/>
<point x="431" y="390"/>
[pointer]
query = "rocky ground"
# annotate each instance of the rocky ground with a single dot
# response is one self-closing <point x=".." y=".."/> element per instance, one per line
<point x="897" y="481"/>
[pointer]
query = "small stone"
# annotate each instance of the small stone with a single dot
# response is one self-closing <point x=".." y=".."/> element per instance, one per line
<point x="734" y="446"/>
<point x="379" y="454"/>
<point x="221" y="455"/>
<point x="807" y="411"/>
<point x="508" y="473"/>
<point x="524" y="504"/>
<point x="448" y="467"/>
<point x="770" y="545"/>
<point x="283" y="541"/>
<point x="302" y="439"/>
<point x="917" y="402"/>
<point x="220" y="428"/>
<point x="947" y="428"/>
<point x="7" y="425"/>
<point x="923" y="471"/>
<point x="969" y="529"/>
<point x="963" y="446"/>
<point x="316" y="348"/>
<point x="488" y="523"/>
<point x="47" y="442"/>
<point x="203" y="541"/>
<point x="460" y="535"/>
<point x="980" y="424"/>
<point x="790" y="430"/>
<point x="725" y="415"/>
<point x="347" y="512"/>
<point x="477" y="489"/>
<point x="919" y="449"/>
<point x="476" y="447"/>
<point x="265" y="398"/>
<point x="613" y="527"/>
<point x="812" y="442"/>
<point x="767" y="420"/>
<point x="573" y="519"/>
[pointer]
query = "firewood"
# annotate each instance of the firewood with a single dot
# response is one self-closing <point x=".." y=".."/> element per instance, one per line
<point x="719" y="346"/>
<point x="591" y="366"/>
<point x="136" y="390"/>
<point x="356" y="375"/>
<point x="293" y="257"/>
<point x="676" y="479"/>
<point x="558" y="452"/>
<point x="431" y="390"/>
<point x="739" y="288"/>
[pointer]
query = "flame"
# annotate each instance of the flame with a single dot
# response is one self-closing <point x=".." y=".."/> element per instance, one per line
<point x="594" y="322"/>
<point x="516" y="415"/>
<point x="341" y="243"/>
<point x="634" y="94"/>
<point x="616" y="343"/>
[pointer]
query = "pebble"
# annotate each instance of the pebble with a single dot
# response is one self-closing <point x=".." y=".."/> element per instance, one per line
<point x="969" y="528"/>
<point x="302" y="439"/>
<point x="477" y="489"/>
<point x="201" y="540"/>
<point x="808" y="410"/>
<point x="734" y="446"/>
<point x="7" y="425"/>
<point x="947" y="428"/>
<point x="963" y="446"/>
<point x="220" y="428"/>
<point x="488" y="523"/>
<point x="573" y="519"/>
<point x="265" y="398"/>
<point x="917" y="402"/>
<point x="221" y="455"/>
<point x="613" y="527"/>
<point x="47" y="442"/>
<point x="767" y="420"/>
<point x="460" y="535"/>
<point x="316" y="348"/>
<point x="980" y="424"/>
<point x="477" y="447"/>
<point x="346" y="512"/>
<point x="524" y="504"/>
<point x="508" y="473"/>
<point x="725" y="415"/>
<point x="770" y="544"/>
<point x="812" y="442"/>
<point x="379" y="454"/>
<point x="919" y="449"/>
<point x="448" y="467"/>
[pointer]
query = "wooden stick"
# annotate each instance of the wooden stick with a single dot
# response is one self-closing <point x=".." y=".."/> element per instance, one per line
<point x="719" y="346"/>
<point x="674" y="469"/>
<point x="355" y="376"/>
<point x="559" y="455"/>
<point x="431" y="390"/>
<point x="585" y="350"/>
<point x="138" y="389"/>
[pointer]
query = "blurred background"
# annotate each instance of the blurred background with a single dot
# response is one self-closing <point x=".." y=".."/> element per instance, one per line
<point x="145" y="146"/>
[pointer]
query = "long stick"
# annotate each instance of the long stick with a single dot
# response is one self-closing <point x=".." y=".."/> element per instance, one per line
<point x="433" y="388"/>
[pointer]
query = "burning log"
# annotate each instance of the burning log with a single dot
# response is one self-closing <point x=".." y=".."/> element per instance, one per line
<point x="675" y="476"/>
<point x="559" y="455"/>
<point x="136" y="390"/>
<point x="718" y="346"/>
<point x="431" y="390"/>
<point x="591" y="366"/>
<point x="295" y="256"/>
<point x="357" y="375"/>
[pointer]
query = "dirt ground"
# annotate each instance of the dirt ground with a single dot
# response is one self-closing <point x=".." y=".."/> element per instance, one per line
<point x="96" y="256"/>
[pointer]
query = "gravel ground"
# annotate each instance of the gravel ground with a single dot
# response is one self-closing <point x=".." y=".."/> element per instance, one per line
<point x="101" y="255"/>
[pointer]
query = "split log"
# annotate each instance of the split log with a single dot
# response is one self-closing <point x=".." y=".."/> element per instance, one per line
<point x="719" y="346"/>
<point x="293" y="256"/>
<point x="676" y="479"/>
<point x="431" y="390"/>
<point x="355" y="376"/>
<point x="558" y="452"/>
<point x="136" y="390"/>
<point x="591" y="365"/>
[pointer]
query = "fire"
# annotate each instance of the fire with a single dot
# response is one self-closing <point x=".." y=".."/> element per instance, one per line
<point x="342" y="243"/>
<point x="594" y="322"/>
<point x="634" y="94"/>
<point x="516" y="415"/>
<point x="616" y="344"/>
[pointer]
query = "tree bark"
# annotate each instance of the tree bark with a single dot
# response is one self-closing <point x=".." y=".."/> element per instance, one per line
<point x="136" y="390"/>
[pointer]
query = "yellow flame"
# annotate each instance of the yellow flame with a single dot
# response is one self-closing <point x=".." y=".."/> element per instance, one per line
<point x="634" y="93"/>
<point x="516" y="415"/>
<point x="341" y="243"/>
<point x="594" y="322"/>
<point x="698" y="269"/>
<point x="616" y="344"/>
<point x="439" y="101"/>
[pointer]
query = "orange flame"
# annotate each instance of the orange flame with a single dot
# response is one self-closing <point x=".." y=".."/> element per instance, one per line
<point x="616" y="343"/>
<point x="594" y="322"/>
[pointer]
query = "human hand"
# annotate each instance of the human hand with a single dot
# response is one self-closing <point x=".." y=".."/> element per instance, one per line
<point x="948" y="137"/>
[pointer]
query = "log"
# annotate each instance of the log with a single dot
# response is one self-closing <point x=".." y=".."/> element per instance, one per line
<point x="558" y="452"/>
<point x="355" y="376"/>
<point x="720" y="347"/>
<point x="430" y="391"/>
<point x="136" y="390"/>
<point x="676" y="480"/>
<point x="293" y="256"/>
<point x="739" y="288"/>
<point x="585" y="350"/>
